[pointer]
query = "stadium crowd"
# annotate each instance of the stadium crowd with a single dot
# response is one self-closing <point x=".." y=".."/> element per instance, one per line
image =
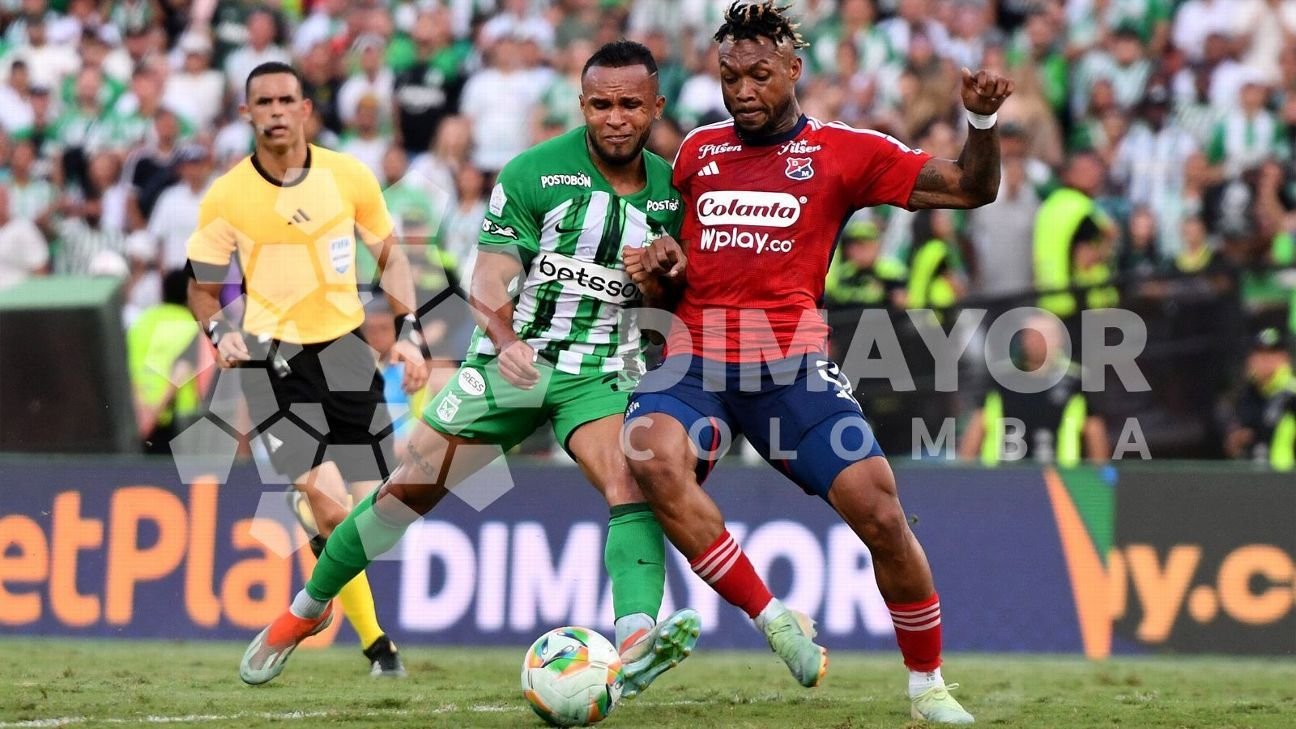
<point x="1162" y="133"/>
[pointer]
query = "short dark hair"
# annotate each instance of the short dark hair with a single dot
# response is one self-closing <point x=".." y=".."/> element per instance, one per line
<point x="175" y="287"/>
<point x="620" y="54"/>
<point x="272" y="67"/>
<point x="751" y="20"/>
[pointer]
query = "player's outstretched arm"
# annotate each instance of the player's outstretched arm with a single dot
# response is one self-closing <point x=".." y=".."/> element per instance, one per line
<point x="973" y="179"/>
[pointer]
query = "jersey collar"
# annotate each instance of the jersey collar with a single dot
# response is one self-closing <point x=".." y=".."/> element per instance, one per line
<point x="280" y="183"/>
<point x="766" y="141"/>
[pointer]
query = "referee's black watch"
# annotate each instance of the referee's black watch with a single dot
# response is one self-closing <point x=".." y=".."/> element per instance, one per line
<point x="218" y="328"/>
<point x="410" y="329"/>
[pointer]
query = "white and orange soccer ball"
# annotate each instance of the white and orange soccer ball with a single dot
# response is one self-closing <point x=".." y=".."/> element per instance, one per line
<point x="572" y="677"/>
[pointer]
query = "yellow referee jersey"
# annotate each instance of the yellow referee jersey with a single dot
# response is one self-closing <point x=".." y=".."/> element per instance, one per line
<point x="295" y="242"/>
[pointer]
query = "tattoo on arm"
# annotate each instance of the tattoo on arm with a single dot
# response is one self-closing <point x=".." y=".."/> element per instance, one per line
<point x="969" y="182"/>
<point x="980" y="164"/>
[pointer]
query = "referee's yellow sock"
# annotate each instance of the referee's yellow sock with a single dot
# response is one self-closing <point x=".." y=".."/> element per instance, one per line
<point x="358" y="604"/>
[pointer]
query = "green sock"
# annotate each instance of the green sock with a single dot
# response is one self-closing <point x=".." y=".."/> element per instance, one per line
<point x="635" y="558"/>
<point x="357" y="541"/>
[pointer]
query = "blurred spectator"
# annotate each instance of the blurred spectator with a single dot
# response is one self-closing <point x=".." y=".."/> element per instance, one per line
<point x="47" y="63"/>
<point x="1140" y="255"/>
<point x="83" y="128"/>
<point x="43" y="123"/>
<point x="143" y="285"/>
<point x="497" y="101"/>
<point x="1214" y="79"/>
<point x="1260" y="423"/>
<point x="149" y="169"/>
<point x="136" y="111"/>
<point x="1196" y="20"/>
<point x="30" y="197"/>
<point x="937" y="279"/>
<point x="1209" y="275"/>
<point x="258" y="49"/>
<point x="1123" y="63"/>
<point x="925" y="85"/>
<point x="23" y="250"/>
<point x="852" y="24"/>
<point x="1262" y="29"/>
<point x="1036" y="53"/>
<point x="517" y="19"/>
<point x="428" y="90"/>
<point x="163" y="352"/>
<point x="1031" y="113"/>
<point x="1199" y="196"/>
<point x="451" y="151"/>
<point x="364" y="139"/>
<point x="321" y="83"/>
<point x="1150" y="158"/>
<point x="98" y="51"/>
<point x="196" y="90"/>
<point x="700" y="99"/>
<point x="666" y="138"/>
<point x="1058" y="418"/>
<point x="325" y="22"/>
<point x="559" y="108"/>
<point x="15" y="109"/>
<point x="859" y="275"/>
<point x="110" y="194"/>
<point x="372" y="79"/>
<point x="914" y="20"/>
<point x="175" y="216"/>
<point x="1069" y="221"/>
<point x="463" y="223"/>
<point x="1001" y="232"/>
<point x="1248" y="134"/>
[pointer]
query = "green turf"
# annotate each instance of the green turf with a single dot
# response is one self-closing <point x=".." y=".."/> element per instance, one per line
<point x="121" y="683"/>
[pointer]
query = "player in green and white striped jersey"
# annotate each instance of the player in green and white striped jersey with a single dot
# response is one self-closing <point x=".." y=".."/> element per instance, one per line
<point x="556" y="342"/>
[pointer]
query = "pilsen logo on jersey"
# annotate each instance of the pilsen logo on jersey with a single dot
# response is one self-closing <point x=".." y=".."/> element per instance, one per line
<point x="800" y="168"/>
<point x="708" y="150"/>
<point x="799" y="147"/>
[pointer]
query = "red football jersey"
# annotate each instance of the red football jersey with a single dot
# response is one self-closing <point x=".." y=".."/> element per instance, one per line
<point x="761" y="222"/>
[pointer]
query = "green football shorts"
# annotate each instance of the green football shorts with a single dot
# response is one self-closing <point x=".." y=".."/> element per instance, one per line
<point x="480" y="405"/>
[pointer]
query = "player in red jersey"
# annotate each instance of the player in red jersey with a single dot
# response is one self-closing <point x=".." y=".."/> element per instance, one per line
<point x="765" y="195"/>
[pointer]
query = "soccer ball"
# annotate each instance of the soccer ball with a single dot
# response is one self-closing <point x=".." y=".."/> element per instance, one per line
<point x="572" y="677"/>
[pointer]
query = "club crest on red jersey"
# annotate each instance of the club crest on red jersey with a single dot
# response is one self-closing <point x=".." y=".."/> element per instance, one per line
<point x="800" y="168"/>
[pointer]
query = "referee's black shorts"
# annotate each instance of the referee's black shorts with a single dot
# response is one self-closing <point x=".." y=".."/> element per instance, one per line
<point x="328" y="406"/>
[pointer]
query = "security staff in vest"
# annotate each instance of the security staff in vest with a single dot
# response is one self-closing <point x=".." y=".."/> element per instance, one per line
<point x="162" y="352"/>
<point x="1054" y="425"/>
<point x="1071" y="242"/>
<point x="859" y="276"/>
<point x="1262" y="424"/>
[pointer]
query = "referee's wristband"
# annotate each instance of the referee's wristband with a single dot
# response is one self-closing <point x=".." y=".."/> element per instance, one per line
<point x="409" y="328"/>
<point x="982" y="121"/>
<point x="218" y="328"/>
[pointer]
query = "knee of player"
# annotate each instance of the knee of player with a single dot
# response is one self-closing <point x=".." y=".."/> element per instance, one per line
<point x="883" y="529"/>
<point x="329" y="515"/>
<point x="653" y="468"/>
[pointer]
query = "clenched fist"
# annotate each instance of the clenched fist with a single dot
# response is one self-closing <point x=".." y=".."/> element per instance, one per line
<point x="984" y="92"/>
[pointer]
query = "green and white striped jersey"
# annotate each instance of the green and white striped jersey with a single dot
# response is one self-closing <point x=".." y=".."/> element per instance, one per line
<point x="575" y="303"/>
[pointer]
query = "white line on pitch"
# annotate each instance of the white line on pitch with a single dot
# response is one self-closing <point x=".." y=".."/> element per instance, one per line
<point x="288" y="715"/>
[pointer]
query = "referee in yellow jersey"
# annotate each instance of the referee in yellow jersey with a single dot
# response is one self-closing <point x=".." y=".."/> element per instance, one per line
<point x="294" y="213"/>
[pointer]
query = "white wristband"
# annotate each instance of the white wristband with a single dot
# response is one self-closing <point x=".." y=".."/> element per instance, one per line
<point x="982" y="121"/>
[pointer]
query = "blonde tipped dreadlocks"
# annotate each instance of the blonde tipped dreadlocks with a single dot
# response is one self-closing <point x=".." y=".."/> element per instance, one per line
<point x="751" y="20"/>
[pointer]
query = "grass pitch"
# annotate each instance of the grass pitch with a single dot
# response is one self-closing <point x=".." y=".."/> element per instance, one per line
<point x="54" y="683"/>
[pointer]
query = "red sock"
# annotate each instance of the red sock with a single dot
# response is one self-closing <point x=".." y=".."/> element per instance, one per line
<point x="918" y="632"/>
<point x="724" y="566"/>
